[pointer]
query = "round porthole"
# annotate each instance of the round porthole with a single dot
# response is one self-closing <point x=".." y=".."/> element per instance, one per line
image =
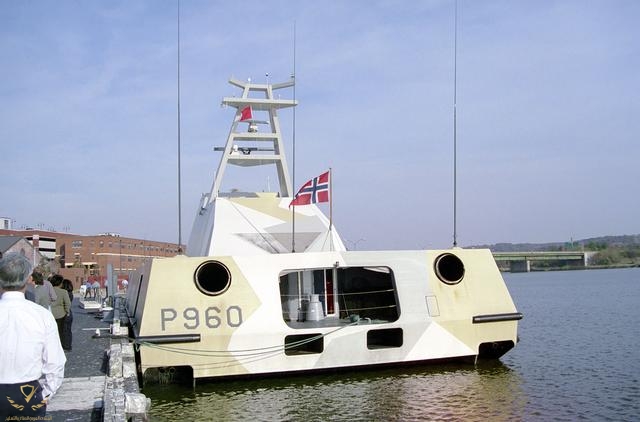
<point x="449" y="268"/>
<point x="212" y="278"/>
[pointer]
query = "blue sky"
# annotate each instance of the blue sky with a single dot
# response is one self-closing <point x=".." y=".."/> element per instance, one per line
<point x="547" y="94"/>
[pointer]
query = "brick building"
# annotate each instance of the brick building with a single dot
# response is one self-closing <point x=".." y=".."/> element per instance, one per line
<point x="79" y="257"/>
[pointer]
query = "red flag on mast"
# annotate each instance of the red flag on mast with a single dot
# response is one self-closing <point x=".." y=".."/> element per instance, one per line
<point x="246" y="114"/>
<point x="314" y="191"/>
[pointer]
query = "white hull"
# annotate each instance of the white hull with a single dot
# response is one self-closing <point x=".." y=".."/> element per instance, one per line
<point x="247" y="329"/>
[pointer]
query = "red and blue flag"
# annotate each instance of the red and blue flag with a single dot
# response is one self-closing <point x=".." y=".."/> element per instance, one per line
<point x="314" y="191"/>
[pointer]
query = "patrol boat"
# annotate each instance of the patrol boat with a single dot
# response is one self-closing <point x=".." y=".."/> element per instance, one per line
<point x="242" y="302"/>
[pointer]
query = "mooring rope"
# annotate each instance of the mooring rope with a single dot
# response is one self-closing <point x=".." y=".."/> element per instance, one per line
<point x="239" y="356"/>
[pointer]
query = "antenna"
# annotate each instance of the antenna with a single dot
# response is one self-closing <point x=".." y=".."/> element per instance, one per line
<point x="293" y="139"/>
<point x="455" y="158"/>
<point x="179" y="170"/>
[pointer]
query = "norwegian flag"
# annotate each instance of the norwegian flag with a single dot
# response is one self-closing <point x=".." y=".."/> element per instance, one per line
<point x="246" y="114"/>
<point x="314" y="191"/>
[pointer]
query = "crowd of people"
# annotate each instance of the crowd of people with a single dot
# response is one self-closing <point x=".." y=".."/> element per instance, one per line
<point x="35" y="325"/>
<point x="35" y="332"/>
<point x="56" y="295"/>
<point x="90" y="290"/>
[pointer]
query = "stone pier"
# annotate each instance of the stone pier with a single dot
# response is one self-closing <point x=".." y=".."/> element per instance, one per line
<point x="100" y="376"/>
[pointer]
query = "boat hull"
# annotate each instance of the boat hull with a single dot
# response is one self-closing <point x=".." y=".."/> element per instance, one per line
<point x="283" y="313"/>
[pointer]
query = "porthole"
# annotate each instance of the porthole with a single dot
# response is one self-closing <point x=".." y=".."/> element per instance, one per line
<point x="449" y="268"/>
<point x="212" y="278"/>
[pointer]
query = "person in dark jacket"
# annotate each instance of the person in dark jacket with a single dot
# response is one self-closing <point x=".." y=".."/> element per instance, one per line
<point x="66" y="329"/>
<point x="60" y="308"/>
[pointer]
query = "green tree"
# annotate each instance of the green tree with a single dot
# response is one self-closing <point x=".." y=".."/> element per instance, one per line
<point x="610" y="256"/>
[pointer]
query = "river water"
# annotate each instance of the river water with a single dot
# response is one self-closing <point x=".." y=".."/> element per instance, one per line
<point x="578" y="359"/>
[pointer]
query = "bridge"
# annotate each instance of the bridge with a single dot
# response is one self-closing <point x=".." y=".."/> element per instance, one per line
<point x="518" y="262"/>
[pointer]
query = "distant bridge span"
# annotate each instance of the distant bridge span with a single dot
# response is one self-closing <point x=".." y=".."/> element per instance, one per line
<point x="521" y="261"/>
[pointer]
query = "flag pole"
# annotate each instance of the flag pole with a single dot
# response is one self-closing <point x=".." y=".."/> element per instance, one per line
<point x="330" y="207"/>
<point x="330" y="198"/>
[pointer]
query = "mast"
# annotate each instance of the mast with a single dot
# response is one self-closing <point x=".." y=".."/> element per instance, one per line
<point x="241" y="223"/>
<point x="179" y="147"/>
<point x="293" y="210"/>
<point x="240" y="149"/>
<point x="455" y="158"/>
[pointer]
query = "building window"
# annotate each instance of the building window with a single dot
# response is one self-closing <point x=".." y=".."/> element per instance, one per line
<point x="76" y="244"/>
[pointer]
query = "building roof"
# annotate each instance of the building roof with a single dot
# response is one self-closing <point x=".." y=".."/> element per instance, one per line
<point x="8" y="241"/>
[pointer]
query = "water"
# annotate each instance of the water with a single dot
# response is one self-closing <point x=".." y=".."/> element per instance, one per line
<point x="578" y="359"/>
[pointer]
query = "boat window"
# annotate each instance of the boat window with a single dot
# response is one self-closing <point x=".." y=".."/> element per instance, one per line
<point x="212" y="278"/>
<point x="303" y="344"/>
<point x="328" y="297"/>
<point x="449" y="268"/>
<point x="385" y="338"/>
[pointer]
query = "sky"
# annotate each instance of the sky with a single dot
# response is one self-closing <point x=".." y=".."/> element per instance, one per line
<point x="547" y="114"/>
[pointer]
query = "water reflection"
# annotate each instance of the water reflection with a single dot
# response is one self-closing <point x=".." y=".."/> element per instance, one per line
<point x="444" y="392"/>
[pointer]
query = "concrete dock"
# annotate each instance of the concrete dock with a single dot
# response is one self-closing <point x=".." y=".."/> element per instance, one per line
<point x="96" y="386"/>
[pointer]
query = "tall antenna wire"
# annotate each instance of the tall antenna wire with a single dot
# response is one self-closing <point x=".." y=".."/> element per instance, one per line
<point x="293" y="223"/>
<point x="179" y="169"/>
<point x="455" y="158"/>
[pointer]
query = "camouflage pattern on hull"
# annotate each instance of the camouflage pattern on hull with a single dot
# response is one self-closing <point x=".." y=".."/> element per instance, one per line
<point x="239" y="315"/>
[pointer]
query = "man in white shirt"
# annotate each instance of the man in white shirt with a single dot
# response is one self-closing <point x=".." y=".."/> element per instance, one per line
<point x="29" y="345"/>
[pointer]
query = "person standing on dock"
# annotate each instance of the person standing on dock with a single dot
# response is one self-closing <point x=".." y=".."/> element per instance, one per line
<point x="61" y="309"/>
<point x="95" y="287"/>
<point x="45" y="294"/>
<point x="30" y="348"/>
<point x="87" y="289"/>
<point x="67" y="336"/>
<point x="30" y="290"/>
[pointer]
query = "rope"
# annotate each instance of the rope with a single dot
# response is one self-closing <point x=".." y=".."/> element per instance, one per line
<point x="351" y="294"/>
<point x="373" y="307"/>
<point x="324" y="242"/>
<point x="254" y="227"/>
<point x="242" y="356"/>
